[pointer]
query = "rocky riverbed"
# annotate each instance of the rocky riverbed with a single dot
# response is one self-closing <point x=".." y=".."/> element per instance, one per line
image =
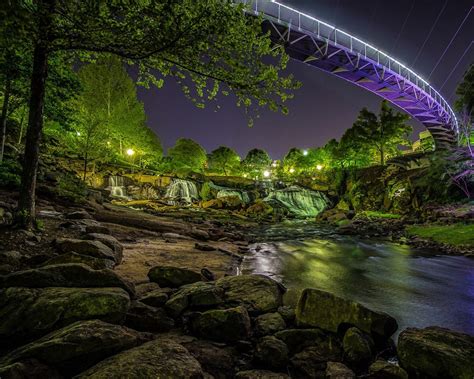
<point x="107" y="292"/>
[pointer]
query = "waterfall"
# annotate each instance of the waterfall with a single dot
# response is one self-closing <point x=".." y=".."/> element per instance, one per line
<point x="242" y="195"/>
<point x="181" y="190"/>
<point x="117" y="187"/>
<point x="299" y="201"/>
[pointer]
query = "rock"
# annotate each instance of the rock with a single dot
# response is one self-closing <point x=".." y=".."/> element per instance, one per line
<point x="31" y="312"/>
<point x="79" y="215"/>
<point x="203" y="247"/>
<point x="208" y="274"/>
<point x="148" y="319"/>
<point x="258" y="293"/>
<point x="436" y="352"/>
<point x="381" y="369"/>
<point x="323" y="310"/>
<point x="156" y="298"/>
<point x="109" y="241"/>
<point x="93" y="248"/>
<point x="155" y="359"/>
<point x="358" y="347"/>
<point x="199" y="234"/>
<point x="269" y="323"/>
<point x="175" y="236"/>
<point x="260" y="374"/>
<point x="217" y="360"/>
<point x="101" y="229"/>
<point x="12" y="258"/>
<point x="271" y="352"/>
<point x="28" y="369"/>
<point x="143" y="288"/>
<point x="168" y="276"/>
<point x="78" y="346"/>
<point x="66" y="275"/>
<point x="298" y="339"/>
<point x="94" y="263"/>
<point x="337" y="370"/>
<point x="225" y="325"/>
<point x="308" y="363"/>
<point x="288" y="313"/>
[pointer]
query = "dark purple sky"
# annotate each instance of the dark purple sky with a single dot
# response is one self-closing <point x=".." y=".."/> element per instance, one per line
<point x="325" y="106"/>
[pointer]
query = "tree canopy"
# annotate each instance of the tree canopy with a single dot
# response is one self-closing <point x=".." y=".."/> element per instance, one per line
<point x="224" y="160"/>
<point x="256" y="161"/>
<point x="187" y="155"/>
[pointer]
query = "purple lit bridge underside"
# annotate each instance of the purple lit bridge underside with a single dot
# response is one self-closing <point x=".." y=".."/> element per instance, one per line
<point x="332" y="50"/>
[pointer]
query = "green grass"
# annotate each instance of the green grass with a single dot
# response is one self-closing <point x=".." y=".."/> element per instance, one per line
<point x="375" y="214"/>
<point x="455" y="234"/>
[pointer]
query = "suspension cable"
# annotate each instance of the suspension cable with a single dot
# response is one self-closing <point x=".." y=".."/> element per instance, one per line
<point x="404" y="25"/>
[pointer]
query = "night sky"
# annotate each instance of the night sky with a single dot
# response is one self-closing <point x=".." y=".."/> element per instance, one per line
<point x="325" y="106"/>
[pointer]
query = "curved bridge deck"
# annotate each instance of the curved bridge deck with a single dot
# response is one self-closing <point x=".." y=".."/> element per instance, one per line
<point x="321" y="45"/>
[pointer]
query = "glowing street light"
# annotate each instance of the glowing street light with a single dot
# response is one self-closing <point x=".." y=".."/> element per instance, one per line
<point x="130" y="152"/>
<point x="305" y="152"/>
<point x="319" y="167"/>
<point x="292" y="170"/>
<point x="266" y="174"/>
<point x="78" y="134"/>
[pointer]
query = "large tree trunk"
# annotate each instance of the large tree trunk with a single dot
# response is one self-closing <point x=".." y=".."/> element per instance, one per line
<point x="26" y="205"/>
<point x="6" y="100"/>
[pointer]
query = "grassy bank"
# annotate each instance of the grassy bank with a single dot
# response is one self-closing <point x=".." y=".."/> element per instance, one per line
<point x="455" y="234"/>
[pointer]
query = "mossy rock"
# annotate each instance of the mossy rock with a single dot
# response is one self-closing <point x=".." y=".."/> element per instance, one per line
<point x="94" y="263"/>
<point x="326" y="311"/>
<point x="358" y="347"/>
<point x="260" y="374"/>
<point x="66" y="275"/>
<point x="26" y="313"/>
<point x="155" y="359"/>
<point x="269" y="323"/>
<point x="148" y="319"/>
<point x="271" y="352"/>
<point x="436" y="353"/>
<point x="298" y="339"/>
<point x="109" y="241"/>
<point x="78" y="346"/>
<point x="226" y="325"/>
<point x="169" y="276"/>
<point x="381" y="369"/>
<point x="93" y="248"/>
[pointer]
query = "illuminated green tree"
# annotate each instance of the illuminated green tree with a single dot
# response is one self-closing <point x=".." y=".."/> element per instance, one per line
<point x="256" y="161"/>
<point x="224" y="160"/>
<point x="187" y="155"/>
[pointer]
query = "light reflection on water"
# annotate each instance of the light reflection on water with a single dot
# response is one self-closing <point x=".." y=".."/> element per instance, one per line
<point x="417" y="290"/>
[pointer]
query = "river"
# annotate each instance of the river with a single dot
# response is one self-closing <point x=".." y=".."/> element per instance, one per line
<point x="416" y="287"/>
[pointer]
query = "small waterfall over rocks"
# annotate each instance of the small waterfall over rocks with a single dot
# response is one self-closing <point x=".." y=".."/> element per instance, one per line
<point x="117" y="187"/>
<point x="299" y="201"/>
<point x="181" y="190"/>
<point x="242" y="195"/>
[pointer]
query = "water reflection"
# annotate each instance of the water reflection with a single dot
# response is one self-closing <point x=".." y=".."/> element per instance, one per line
<point x="417" y="290"/>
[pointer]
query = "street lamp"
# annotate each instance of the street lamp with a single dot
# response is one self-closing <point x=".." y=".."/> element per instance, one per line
<point x="305" y="152"/>
<point x="292" y="170"/>
<point x="266" y="174"/>
<point x="130" y="152"/>
<point x="319" y="167"/>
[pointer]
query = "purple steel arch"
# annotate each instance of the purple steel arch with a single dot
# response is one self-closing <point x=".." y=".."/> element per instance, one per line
<point x="322" y="45"/>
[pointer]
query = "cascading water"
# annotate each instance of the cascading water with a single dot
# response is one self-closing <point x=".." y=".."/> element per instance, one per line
<point x="181" y="190"/>
<point x="117" y="187"/>
<point x="242" y="195"/>
<point x="299" y="201"/>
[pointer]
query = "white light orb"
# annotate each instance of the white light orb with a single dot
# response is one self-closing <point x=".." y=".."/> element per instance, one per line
<point x="130" y="152"/>
<point x="266" y="174"/>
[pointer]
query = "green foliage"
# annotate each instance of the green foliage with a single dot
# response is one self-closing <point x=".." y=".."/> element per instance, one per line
<point x="71" y="188"/>
<point x="187" y="155"/>
<point x="205" y="192"/>
<point x="224" y="161"/>
<point x="465" y="92"/>
<point x="454" y="234"/>
<point x="10" y="172"/>
<point x="376" y="215"/>
<point x="256" y="161"/>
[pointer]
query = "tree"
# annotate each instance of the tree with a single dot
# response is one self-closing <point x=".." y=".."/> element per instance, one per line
<point x="383" y="133"/>
<point x="211" y="44"/>
<point x="465" y="92"/>
<point x="187" y="155"/>
<point x="224" y="160"/>
<point x="256" y="161"/>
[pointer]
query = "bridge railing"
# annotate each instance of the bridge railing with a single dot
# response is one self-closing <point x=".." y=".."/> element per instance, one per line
<point x="295" y="19"/>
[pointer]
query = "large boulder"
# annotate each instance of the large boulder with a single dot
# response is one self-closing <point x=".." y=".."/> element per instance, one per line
<point x="271" y="352"/>
<point x="168" y="276"/>
<point x="148" y="319"/>
<point x="197" y="296"/>
<point x="258" y="293"/>
<point x="31" y="312"/>
<point x="260" y="374"/>
<point x="155" y="359"/>
<point x="337" y="370"/>
<point x="269" y="323"/>
<point x="308" y="363"/>
<point x="299" y="339"/>
<point x="358" y="347"/>
<point x="109" y="241"/>
<point x="65" y="275"/>
<point x="225" y="325"/>
<point x="29" y="369"/>
<point x="381" y="369"/>
<point x="78" y="346"/>
<point x="92" y="262"/>
<point x="326" y="311"/>
<point x="155" y="298"/>
<point x="93" y="248"/>
<point x="436" y="353"/>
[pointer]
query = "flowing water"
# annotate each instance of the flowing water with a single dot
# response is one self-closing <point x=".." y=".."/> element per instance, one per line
<point x="181" y="190"/>
<point x="117" y="187"/>
<point x="299" y="201"/>
<point x="242" y="195"/>
<point x="416" y="287"/>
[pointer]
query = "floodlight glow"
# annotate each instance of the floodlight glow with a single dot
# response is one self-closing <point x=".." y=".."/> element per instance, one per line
<point x="78" y="134"/>
<point x="319" y="167"/>
<point x="266" y="174"/>
<point x="305" y="152"/>
<point x="130" y="152"/>
<point x="292" y="170"/>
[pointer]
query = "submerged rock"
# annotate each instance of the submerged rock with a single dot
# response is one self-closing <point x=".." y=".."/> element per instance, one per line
<point x="29" y="312"/>
<point x="168" y="276"/>
<point x="155" y="359"/>
<point x="258" y="293"/>
<point x="78" y="346"/>
<point x="437" y="353"/>
<point x="324" y="310"/>
<point x="66" y="275"/>
<point x="226" y="325"/>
